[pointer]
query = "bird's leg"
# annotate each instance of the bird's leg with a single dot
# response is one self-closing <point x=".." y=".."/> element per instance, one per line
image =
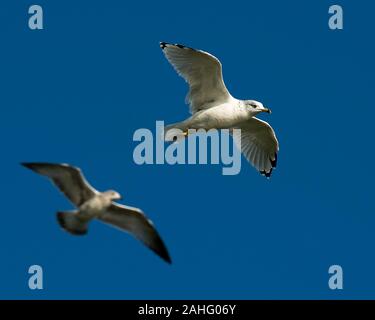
<point x="184" y="135"/>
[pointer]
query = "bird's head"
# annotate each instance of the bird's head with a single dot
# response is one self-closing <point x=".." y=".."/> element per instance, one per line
<point x="255" y="107"/>
<point x="113" y="195"/>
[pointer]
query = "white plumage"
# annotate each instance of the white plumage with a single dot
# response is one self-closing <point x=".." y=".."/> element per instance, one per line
<point x="213" y="107"/>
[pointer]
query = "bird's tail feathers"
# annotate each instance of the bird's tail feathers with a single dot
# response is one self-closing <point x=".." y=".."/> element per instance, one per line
<point x="175" y="131"/>
<point x="71" y="223"/>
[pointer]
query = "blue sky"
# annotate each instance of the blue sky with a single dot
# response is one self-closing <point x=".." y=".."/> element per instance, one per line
<point x="76" y="91"/>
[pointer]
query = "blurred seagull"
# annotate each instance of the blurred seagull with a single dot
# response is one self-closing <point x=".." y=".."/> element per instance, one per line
<point x="213" y="107"/>
<point x="92" y="204"/>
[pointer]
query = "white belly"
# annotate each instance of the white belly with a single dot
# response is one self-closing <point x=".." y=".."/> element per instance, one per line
<point x="223" y="116"/>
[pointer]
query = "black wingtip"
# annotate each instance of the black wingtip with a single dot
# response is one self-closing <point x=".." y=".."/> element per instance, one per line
<point x="30" y="165"/>
<point x="36" y="166"/>
<point x="163" y="253"/>
<point x="163" y="45"/>
<point x="25" y="164"/>
<point x="274" y="162"/>
<point x="266" y="174"/>
<point x="167" y="259"/>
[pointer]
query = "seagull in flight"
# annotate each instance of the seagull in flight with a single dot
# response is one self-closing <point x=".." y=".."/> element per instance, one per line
<point x="92" y="204"/>
<point x="213" y="107"/>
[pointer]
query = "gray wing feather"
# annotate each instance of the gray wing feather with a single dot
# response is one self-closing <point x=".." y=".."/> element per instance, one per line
<point x="201" y="70"/>
<point x="134" y="221"/>
<point x="68" y="179"/>
<point x="259" y="145"/>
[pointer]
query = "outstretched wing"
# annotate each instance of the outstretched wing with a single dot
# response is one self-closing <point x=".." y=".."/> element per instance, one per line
<point x="259" y="145"/>
<point x="203" y="73"/>
<point x="68" y="179"/>
<point x="135" y="222"/>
